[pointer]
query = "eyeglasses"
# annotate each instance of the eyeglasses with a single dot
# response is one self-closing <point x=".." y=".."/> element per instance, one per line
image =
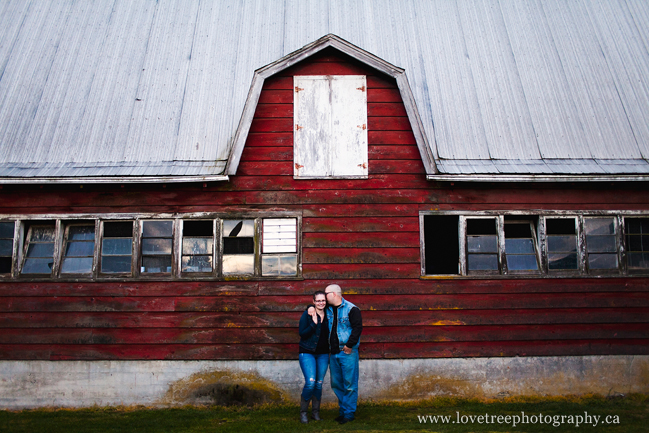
<point x="321" y="300"/>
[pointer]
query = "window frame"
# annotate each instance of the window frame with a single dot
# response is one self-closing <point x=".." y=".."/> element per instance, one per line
<point x="23" y="223"/>
<point x="541" y="245"/>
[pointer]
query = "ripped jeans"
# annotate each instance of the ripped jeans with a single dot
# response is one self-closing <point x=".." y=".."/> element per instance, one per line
<point x="314" y="368"/>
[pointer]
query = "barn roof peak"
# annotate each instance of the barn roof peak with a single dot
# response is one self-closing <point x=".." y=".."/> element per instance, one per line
<point x="330" y="41"/>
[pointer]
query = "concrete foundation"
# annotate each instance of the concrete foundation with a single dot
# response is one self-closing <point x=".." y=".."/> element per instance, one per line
<point x="29" y="384"/>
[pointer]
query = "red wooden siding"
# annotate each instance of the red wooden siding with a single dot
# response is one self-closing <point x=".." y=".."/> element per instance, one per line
<point x="362" y="234"/>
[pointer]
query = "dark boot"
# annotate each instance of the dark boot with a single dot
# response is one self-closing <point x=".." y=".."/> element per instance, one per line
<point x="315" y="408"/>
<point x="304" y="406"/>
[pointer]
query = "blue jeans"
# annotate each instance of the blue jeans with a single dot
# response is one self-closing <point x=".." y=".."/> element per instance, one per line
<point x="344" y="381"/>
<point x="314" y="368"/>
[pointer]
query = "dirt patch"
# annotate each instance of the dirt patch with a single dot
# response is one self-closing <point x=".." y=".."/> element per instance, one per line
<point x="224" y="388"/>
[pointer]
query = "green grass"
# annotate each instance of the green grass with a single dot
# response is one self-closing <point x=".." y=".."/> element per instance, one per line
<point x="632" y="411"/>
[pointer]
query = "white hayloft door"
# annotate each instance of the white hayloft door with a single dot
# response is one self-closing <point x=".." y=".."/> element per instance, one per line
<point x="330" y="126"/>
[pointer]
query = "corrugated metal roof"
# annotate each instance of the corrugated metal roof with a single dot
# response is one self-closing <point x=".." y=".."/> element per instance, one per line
<point x="148" y="88"/>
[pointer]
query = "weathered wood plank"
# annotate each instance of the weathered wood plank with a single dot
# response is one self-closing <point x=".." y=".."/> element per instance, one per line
<point x="383" y="95"/>
<point x="286" y="183"/>
<point x="280" y="124"/>
<point x="268" y="154"/>
<point x="278" y="110"/>
<point x="273" y="139"/>
<point x="296" y="303"/>
<point x="361" y="255"/>
<point x="394" y="152"/>
<point x="326" y="68"/>
<point x="355" y="210"/>
<point x="389" y="109"/>
<point x="276" y="97"/>
<point x="391" y="137"/>
<point x="360" y="240"/>
<point x="460" y="286"/>
<point x="150" y="320"/>
<point x="290" y="319"/>
<point x="396" y="166"/>
<point x="386" y="334"/>
<point x="186" y="197"/>
<point x="388" y="124"/>
<point x="360" y="225"/>
<point x="290" y="351"/>
<point x="353" y="271"/>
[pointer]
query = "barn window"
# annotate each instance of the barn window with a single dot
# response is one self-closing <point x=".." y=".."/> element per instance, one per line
<point x="601" y="243"/>
<point x="117" y="247"/>
<point x="637" y="242"/>
<point x="238" y="247"/>
<point x="548" y="244"/>
<point x="157" y="243"/>
<point x="279" y="247"/>
<point x="330" y="126"/>
<point x="441" y="245"/>
<point x="482" y="245"/>
<point x="521" y="246"/>
<point x="562" y="244"/>
<point x="197" y="246"/>
<point x="6" y="246"/>
<point x="39" y="249"/>
<point x="78" y="249"/>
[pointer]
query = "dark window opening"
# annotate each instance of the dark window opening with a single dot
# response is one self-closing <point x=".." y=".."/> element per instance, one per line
<point x="482" y="245"/>
<point x="601" y="243"/>
<point x="156" y="246"/>
<point x="198" y="246"/>
<point x="637" y="242"/>
<point x="442" y="249"/>
<point x="562" y="244"/>
<point x="6" y="246"/>
<point x="117" y="247"/>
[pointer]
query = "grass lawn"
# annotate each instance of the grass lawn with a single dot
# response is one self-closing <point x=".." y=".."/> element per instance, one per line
<point x="628" y="414"/>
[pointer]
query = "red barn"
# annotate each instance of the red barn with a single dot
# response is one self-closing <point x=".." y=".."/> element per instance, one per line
<point x="161" y="233"/>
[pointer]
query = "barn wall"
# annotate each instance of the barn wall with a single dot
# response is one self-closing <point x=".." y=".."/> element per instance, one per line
<point x="362" y="234"/>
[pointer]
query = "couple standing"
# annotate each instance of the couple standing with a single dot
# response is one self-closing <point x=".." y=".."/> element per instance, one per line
<point x="336" y="344"/>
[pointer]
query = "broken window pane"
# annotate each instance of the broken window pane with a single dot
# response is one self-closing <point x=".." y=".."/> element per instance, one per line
<point x="601" y="243"/>
<point x="238" y="247"/>
<point x="6" y="246"/>
<point x="198" y="246"/>
<point x="562" y="243"/>
<point x="239" y="264"/>
<point x="156" y="246"/>
<point x="40" y="250"/>
<point x="117" y="247"/>
<point x="520" y="246"/>
<point x="79" y="249"/>
<point x="482" y="245"/>
<point x="637" y="243"/>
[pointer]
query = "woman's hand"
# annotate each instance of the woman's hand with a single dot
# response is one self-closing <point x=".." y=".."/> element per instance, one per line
<point x="313" y="314"/>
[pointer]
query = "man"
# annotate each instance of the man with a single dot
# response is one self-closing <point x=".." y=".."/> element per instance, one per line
<point x="345" y="327"/>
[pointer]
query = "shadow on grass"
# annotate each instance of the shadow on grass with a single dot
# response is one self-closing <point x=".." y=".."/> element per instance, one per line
<point x="596" y="414"/>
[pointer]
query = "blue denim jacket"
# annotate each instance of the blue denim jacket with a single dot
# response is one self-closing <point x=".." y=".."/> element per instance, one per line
<point x="344" y="328"/>
<point x="309" y="332"/>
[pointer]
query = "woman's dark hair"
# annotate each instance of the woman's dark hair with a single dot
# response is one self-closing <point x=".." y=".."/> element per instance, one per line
<point x="319" y="292"/>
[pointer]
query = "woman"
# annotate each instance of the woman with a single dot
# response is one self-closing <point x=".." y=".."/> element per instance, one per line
<point x="314" y="356"/>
